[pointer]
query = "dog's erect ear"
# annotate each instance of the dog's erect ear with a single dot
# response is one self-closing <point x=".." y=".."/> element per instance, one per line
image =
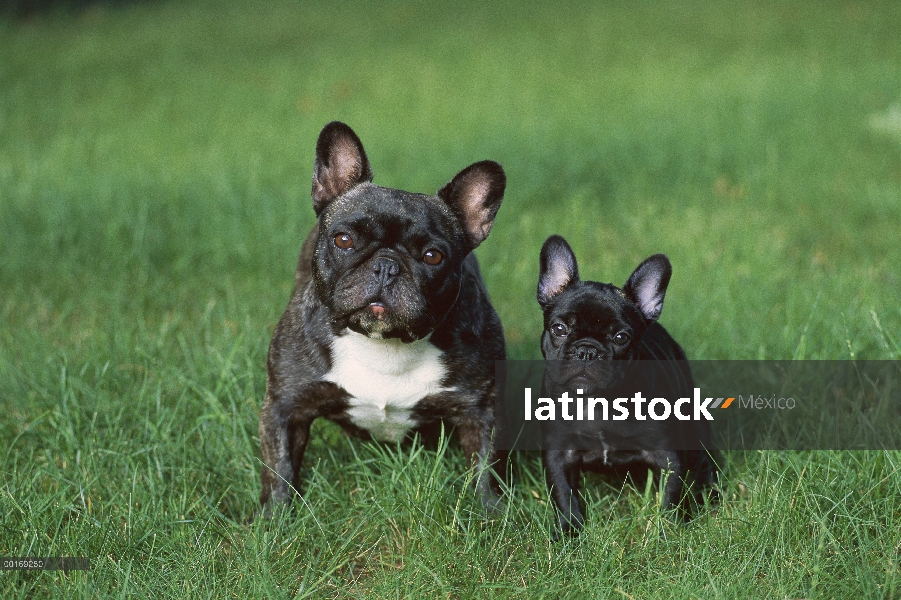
<point x="557" y="269"/>
<point x="647" y="285"/>
<point x="341" y="164"/>
<point x="474" y="195"/>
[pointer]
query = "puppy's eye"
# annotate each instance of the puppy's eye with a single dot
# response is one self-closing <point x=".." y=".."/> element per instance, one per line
<point x="344" y="241"/>
<point x="432" y="257"/>
<point x="559" y="329"/>
<point x="622" y="338"/>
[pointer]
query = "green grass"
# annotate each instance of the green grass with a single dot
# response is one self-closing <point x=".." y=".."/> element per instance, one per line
<point x="154" y="192"/>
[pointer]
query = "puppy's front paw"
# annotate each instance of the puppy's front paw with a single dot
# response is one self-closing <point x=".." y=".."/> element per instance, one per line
<point x="567" y="529"/>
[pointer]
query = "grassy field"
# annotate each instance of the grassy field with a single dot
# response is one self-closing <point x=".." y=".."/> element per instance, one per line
<point x="155" y="162"/>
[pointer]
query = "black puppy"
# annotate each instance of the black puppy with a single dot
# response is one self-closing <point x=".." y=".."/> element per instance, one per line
<point x="389" y="328"/>
<point x="601" y="341"/>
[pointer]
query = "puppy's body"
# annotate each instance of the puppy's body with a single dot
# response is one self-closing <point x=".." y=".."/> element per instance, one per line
<point x="389" y="329"/>
<point x="603" y="341"/>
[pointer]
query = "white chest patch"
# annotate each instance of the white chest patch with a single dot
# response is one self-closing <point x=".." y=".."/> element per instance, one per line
<point x="385" y="378"/>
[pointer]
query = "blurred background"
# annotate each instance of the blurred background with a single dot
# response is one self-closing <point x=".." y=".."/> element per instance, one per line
<point x="155" y="156"/>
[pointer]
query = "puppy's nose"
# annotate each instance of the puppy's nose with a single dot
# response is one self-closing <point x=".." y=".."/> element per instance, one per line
<point x="586" y="353"/>
<point x="385" y="270"/>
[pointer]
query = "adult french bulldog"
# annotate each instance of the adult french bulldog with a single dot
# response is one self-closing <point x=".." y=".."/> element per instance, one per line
<point x="389" y="328"/>
<point x="600" y="341"/>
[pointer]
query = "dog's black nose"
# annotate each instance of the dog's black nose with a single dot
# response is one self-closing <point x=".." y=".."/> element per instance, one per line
<point x="586" y="353"/>
<point x="385" y="270"/>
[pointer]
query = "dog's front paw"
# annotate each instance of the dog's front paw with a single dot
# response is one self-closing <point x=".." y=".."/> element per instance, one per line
<point x="272" y="509"/>
<point x="493" y="506"/>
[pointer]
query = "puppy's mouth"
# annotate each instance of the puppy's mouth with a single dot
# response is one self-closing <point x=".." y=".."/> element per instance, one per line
<point x="594" y="376"/>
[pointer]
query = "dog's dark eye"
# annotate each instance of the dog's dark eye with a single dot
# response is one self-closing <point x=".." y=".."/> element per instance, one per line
<point x="621" y="339"/>
<point x="559" y="329"/>
<point x="344" y="241"/>
<point x="432" y="257"/>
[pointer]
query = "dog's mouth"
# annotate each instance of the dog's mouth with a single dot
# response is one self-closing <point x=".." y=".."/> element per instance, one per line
<point x="378" y="309"/>
<point x="379" y="320"/>
<point x="373" y="320"/>
<point x="594" y="376"/>
<point x="582" y="380"/>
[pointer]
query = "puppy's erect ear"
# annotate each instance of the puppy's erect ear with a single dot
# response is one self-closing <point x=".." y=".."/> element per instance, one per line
<point x="557" y="269"/>
<point x="647" y="285"/>
<point x="341" y="164"/>
<point x="474" y="195"/>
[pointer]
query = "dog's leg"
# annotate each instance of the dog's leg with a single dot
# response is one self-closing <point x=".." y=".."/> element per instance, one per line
<point x="705" y="476"/>
<point x="283" y="440"/>
<point x="276" y="456"/>
<point x="668" y="462"/>
<point x="285" y="421"/>
<point x="475" y="436"/>
<point x="562" y="474"/>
